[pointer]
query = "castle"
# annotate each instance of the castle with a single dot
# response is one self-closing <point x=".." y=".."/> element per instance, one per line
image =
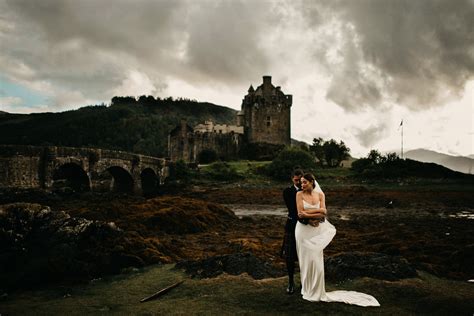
<point x="264" y="120"/>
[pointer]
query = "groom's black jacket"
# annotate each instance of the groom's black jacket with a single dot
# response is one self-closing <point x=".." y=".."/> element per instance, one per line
<point x="289" y="195"/>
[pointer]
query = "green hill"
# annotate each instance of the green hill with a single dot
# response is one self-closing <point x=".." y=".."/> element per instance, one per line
<point x="404" y="168"/>
<point x="128" y="124"/>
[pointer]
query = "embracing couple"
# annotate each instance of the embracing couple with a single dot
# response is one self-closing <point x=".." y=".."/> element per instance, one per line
<point x="307" y="233"/>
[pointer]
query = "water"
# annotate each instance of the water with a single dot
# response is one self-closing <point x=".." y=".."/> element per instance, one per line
<point x="463" y="214"/>
<point x="241" y="210"/>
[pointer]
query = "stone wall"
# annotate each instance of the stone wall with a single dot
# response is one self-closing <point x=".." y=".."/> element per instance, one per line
<point x="21" y="172"/>
<point x="227" y="146"/>
<point x="265" y="119"/>
<point x="266" y="114"/>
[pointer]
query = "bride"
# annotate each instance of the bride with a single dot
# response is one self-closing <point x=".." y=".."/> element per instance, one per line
<point x="311" y="239"/>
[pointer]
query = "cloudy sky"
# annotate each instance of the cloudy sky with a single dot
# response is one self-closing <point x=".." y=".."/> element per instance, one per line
<point x="355" y="68"/>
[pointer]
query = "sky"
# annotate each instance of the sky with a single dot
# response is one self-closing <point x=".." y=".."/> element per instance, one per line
<point x="355" y="68"/>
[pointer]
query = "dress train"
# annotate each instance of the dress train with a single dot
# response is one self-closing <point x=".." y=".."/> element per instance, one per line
<point x="310" y="242"/>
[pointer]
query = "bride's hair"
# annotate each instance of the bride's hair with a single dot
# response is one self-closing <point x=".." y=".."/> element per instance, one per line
<point x="310" y="178"/>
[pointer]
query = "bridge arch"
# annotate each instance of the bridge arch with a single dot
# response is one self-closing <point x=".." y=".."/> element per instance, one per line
<point x="70" y="175"/>
<point x="149" y="181"/>
<point x="122" y="180"/>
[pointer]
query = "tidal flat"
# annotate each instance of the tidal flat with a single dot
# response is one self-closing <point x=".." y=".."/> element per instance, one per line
<point x="429" y="229"/>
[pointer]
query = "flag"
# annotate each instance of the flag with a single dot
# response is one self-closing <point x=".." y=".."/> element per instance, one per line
<point x="401" y="124"/>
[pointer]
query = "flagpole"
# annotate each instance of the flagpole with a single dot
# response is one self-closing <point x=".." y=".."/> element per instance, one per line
<point x="402" y="139"/>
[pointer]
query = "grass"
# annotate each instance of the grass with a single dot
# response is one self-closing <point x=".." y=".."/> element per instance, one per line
<point x="235" y="295"/>
<point x="336" y="178"/>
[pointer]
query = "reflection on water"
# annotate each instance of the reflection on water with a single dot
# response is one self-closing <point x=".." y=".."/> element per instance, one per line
<point x="463" y="214"/>
<point x="257" y="209"/>
<point x="344" y="217"/>
<point x="264" y="209"/>
<point x="343" y="214"/>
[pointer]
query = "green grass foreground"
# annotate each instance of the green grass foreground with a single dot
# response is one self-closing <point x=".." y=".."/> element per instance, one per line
<point x="236" y="295"/>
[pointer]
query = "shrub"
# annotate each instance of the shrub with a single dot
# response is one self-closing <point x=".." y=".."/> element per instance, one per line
<point x="222" y="171"/>
<point x="179" y="171"/>
<point x="289" y="159"/>
<point x="260" y="151"/>
<point x="207" y="156"/>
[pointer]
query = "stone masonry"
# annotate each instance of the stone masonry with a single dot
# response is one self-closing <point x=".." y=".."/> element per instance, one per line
<point x="81" y="169"/>
<point x="265" y="118"/>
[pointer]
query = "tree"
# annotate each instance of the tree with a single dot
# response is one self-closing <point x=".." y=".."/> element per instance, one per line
<point x="375" y="157"/>
<point x="329" y="153"/>
<point x="391" y="157"/>
<point x="317" y="149"/>
<point x="375" y="161"/>
<point x="289" y="158"/>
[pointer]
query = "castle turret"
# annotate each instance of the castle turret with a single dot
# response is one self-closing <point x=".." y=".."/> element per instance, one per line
<point x="267" y="80"/>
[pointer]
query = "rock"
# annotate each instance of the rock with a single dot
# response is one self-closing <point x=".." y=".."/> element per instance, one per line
<point x="462" y="260"/>
<point x="234" y="264"/>
<point x="39" y="245"/>
<point x="350" y="265"/>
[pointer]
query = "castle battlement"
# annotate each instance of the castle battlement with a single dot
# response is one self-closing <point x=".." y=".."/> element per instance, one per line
<point x="210" y="127"/>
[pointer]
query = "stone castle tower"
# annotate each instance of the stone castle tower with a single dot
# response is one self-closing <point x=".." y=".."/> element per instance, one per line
<point x="264" y="121"/>
<point x="265" y="114"/>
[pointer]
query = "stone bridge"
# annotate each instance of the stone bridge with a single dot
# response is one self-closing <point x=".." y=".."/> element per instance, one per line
<point x="79" y="169"/>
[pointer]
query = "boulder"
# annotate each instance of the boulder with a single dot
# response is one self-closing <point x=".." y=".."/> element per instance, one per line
<point x="39" y="245"/>
<point x="234" y="264"/>
<point x="350" y="265"/>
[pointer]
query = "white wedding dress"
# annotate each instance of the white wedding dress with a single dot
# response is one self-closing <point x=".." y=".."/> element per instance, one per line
<point x="310" y="242"/>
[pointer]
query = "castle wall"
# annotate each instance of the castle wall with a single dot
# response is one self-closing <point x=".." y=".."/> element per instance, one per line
<point x="265" y="117"/>
<point x="267" y="114"/>
<point x="227" y="146"/>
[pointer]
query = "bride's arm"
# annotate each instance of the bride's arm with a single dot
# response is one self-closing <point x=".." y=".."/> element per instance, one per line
<point x="322" y="203"/>
<point x="299" y="205"/>
<point x="317" y="212"/>
<point x="308" y="213"/>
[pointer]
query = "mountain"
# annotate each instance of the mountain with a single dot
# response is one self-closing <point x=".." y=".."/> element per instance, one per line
<point x="140" y="126"/>
<point x="456" y="163"/>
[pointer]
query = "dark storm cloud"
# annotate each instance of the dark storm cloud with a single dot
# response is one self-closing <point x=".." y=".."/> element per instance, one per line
<point x="225" y="37"/>
<point x="118" y="25"/>
<point x="90" y="46"/>
<point x="417" y="53"/>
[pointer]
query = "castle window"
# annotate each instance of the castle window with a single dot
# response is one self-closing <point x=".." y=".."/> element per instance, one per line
<point x="269" y="121"/>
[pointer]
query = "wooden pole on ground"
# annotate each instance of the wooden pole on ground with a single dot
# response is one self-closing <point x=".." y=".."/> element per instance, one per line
<point x="161" y="292"/>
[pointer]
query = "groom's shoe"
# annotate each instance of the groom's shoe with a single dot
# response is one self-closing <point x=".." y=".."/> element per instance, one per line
<point x="291" y="288"/>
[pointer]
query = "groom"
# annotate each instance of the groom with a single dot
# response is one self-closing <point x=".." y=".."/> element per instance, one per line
<point x="288" y="251"/>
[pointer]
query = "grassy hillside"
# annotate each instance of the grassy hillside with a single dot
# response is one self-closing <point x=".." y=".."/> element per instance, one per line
<point x="140" y="126"/>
